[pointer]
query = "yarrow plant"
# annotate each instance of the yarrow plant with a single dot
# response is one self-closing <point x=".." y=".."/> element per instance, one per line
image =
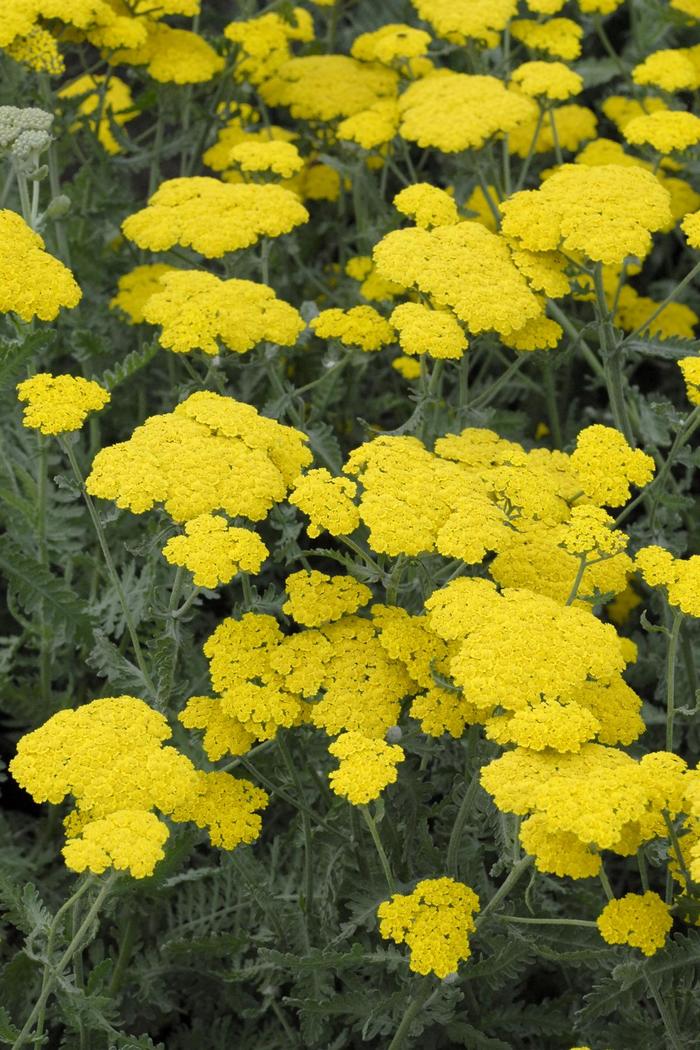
<point x="348" y="487"/>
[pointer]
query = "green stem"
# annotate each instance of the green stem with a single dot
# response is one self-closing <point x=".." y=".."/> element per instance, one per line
<point x="671" y="656"/>
<point x="384" y="860"/>
<point x="392" y="588"/>
<point x="488" y="395"/>
<point x="73" y="948"/>
<point x="414" y="1008"/>
<point x="662" y="305"/>
<point x="308" y="840"/>
<point x="642" y="865"/>
<point x="612" y="360"/>
<point x="550" y="393"/>
<point x="676" y="846"/>
<point x="546" y="922"/>
<point x="605" y="883"/>
<point x="126" y="946"/>
<point x="555" y="137"/>
<point x="111" y="568"/>
<point x="531" y="151"/>
<point x="582" y="566"/>
<point x="514" y="876"/>
<point x="669" y="1022"/>
<point x="465" y="808"/>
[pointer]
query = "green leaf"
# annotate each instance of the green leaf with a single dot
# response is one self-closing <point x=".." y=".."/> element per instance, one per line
<point x="106" y="660"/>
<point x="664" y="349"/>
<point x="37" y="587"/>
<point x="8" y="1032"/>
<point x="128" y="366"/>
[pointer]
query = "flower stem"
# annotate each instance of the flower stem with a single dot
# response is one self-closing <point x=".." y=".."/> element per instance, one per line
<point x="513" y="878"/>
<point x="414" y="1008"/>
<point x="383" y="859"/>
<point x="671" y="656"/>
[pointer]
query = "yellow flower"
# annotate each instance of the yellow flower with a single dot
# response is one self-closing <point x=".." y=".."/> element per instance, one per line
<point x="407" y="367"/>
<point x="366" y="767"/>
<point x="313" y="598"/>
<point x="606" y="466"/>
<point x="213" y="217"/>
<point x="212" y="453"/>
<point x="279" y="158"/>
<point x="427" y="205"/>
<point x="690" y="367"/>
<point x="391" y="44"/>
<point x="462" y="20"/>
<point x="173" y="56"/>
<point x="361" y="326"/>
<point x="668" y="131"/>
<point x="214" y="551"/>
<point x="222" y="733"/>
<point x="458" y="111"/>
<point x="327" y="501"/>
<point x="680" y="577"/>
<point x="691" y="229"/>
<point x="559" y="37"/>
<point x="327" y="87"/>
<point x="641" y="920"/>
<point x="670" y="69"/>
<point x="264" y="42"/>
<point x="56" y="404"/>
<point x="38" y="50"/>
<point x="199" y="311"/>
<point x="425" y="331"/>
<point x="34" y="284"/>
<point x="574" y="124"/>
<point x="372" y="127"/>
<point x="226" y="806"/>
<point x="434" y="921"/>
<point x="127" y="840"/>
<point x="550" y="80"/>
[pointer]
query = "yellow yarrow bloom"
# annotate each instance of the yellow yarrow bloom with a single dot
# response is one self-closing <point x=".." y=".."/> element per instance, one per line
<point x="427" y="205"/>
<point x="34" y="284"/>
<point x="434" y="921"/>
<point x="676" y="319"/>
<point x="407" y="367"/>
<point x="361" y="326"/>
<point x="559" y="37"/>
<point x="278" y="158"/>
<point x="57" y="404"/>
<point x="211" y="453"/>
<point x="425" y="331"/>
<point x="313" y="598"/>
<point x="550" y="80"/>
<point x="226" y="806"/>
<point x="574" y="125"/>
<point x="264" y="43"/>
<point x="391" y="44"/>
<point x="606" y="466"/>
<point x="39" y="51"/>
<point x="690" y="367"/>
<point x="328" y="87"/>
<point x="620" y="109"/>
<point x="373" y="127"/>
<point x="222" y="734"/>
<point x="129" y="840"/>
<point x="214" y="551"/>
<point x="199" y="311"/>
<point x="669" y="131"/>
<point x="606" y="212"/>
<point x="458" y="111"/>
<point x="135" y="288"/>
<point x="462" y="20"/>
<point x="173" y="56"/>
<point x="691" y="229"/>
<point x="669" y="69"/>
<point x="213" y="217"/>
<point x="367" y="766"/>
<point x="327" y="501"/>
<point x="641" y="920"/>
<point x="680" y="577"/>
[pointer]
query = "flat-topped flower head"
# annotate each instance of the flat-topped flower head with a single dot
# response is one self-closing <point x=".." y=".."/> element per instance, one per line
<point x="173" y="56"/>
<point x="199" y="311"/>
<point x="427" y="205"/>
<point x="606" y="466"/>
<point x="213" y="217"/>
<point x="668" y="131"/>
<point x="57" y="404"/>
<point x="328" y="87"/>
<point x="547" y="80"/>
<point x="327" y="501"/>
<point x="434" y="921"/>
<point x="680" y="577"/>
<point x="459" y="111"/>
<point x="278" y="158"/>
<point x="264" y="43"/>
<point x="391" y="44"/>
<point x="606" y="213"/>
<point x="313" y="598"/>
<point x="214" y="551"/>
<point x="367" y="766"/>
<point x="33" y="283"/>
<point x="558" y="37"/>
<point x="671" y="69"/>
<point x="129" y="840"/>
<point x="462" y="20"/>
<point x="135" y="288"/>
<point x="691" y="229"/>
<point x="361" y="326"/>
<point x="641" y="920"/>
<point x="425" y="331"/>
<point x="211" y="453"/>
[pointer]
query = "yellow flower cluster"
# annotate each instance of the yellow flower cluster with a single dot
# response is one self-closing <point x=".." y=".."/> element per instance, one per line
<point x="135" y="288"/>
<point x="672" y="70"/>
<point x="327" y="501"/>
<point x="690" y="369"/>
<point x="425" y="331"/>
<point x="558" y="37"/>
<point x="173" y="56"/>
<point x="34" y="284"/>
<point x="548" y="80"/>
<point x="434" y="921"/>
<point x="579" y="803"/>
<point x="680" y="577"/>
<point x="199" y="311"/>
<point x="213" y="217"/>
<point x="110" y="756"/>
<point x="606" y="213"/>
<point x="641" y="920"/>
<point x="328" y="87"/>
<point x="214" y="551"/>
<point x="313" y="598"/>
<point x="56" y="404"/>
<point x="279" y="158"/>
<point x="361" y="326"/>
<point x="458" y="111"/>
<point x="462" y="20"/>
<point x="427" y="205"/>
<point x="391" y="44"/>
<point x="606" y="466"/>
<point x="211" y="453"/>
<point x="265" y="43"/>
<point x="366" y="766"/>
<point x="668" y="131"/>
<point x="538" y="673"/>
